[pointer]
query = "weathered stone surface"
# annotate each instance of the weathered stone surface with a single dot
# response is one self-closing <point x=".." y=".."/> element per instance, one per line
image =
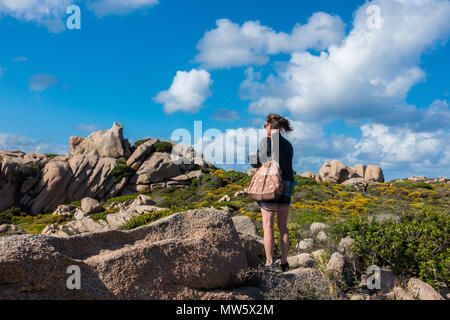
<point x="374" y="173"/>
<point x="322" y="236"/>
<point x="398" y="293"/>
<point x="157" y="168"/>
<point x="311" y="175"/>
<point x="336" y="172"/>
<point x="249" y="235"/>
<point x="245" y="225"/>
<point x="319" y="255"/>
<point x="422" y="290"/>
<point x="253" y="243"/>
<point x="345" y="245"/>
<point x="173" y="258"/>
<point x="302" y="260"/>
<point x="8" y="230"/>
<point x="109" y="143"/>
<point x="356" y="182"/>
<point x="91" y="206"/>
<point x="316" y="227"/>
<point x="225" y="198"/>
<point x="336" y="264"/>
<point x="7" y="196"/>
<point x="360" y="170"/>
<point x="141" y="153"/>
<point x="306" y="244"/>
<point x="71" y="179"/>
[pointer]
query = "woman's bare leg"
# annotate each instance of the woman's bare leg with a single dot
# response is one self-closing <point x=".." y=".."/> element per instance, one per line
<point x="282" y="217"/>
<point x="268" y="221"/>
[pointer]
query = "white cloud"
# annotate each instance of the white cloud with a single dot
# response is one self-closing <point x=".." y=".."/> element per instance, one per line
<point x="188" y="91"/>
<point x="42" y="12"/>
<point x="25" y="144"/>
<point x="367" y="76"/>
<point x="109" y="7"/>
<point x="42" y="82"/>
<point x="52" y="13"/>
<point x="398" y="151"/>
<point x="232" y="45"/>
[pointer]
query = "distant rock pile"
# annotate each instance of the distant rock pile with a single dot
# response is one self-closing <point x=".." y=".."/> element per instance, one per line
<point x="336" y="172"/>
<point x="84" y="223"/>
<point x="43" y="182"/>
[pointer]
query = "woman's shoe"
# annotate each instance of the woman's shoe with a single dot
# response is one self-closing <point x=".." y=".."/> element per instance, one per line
<point x="284" y="267"/>
<point x="271" y="267"/>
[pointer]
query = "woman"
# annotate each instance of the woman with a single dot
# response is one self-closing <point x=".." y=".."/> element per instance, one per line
<point x="283" y="152"/>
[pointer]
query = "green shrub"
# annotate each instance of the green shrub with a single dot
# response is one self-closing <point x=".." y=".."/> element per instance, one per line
<point x="121" y="170"/>
<point x="30" y="170"/>
<point x="302" y="181"/>
<point x="7" y="216"/>
<point x="417" y="245"/>
<point x="76" y="203"/>
<point x="413" y="185"/>
<point x="139" y="142"/>
<point x="148" y="218"/>
<point x="35" y="224"/>
<point x="51" y="155"/>
<point x="102" y="215"/>
<point x="163" y="146"/>
<point x="122" y="198"/>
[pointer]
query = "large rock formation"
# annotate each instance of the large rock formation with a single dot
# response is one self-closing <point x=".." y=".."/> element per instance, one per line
<point x="336" y="172"/>
<point x="40" y="183"/>
<point x="109" y="143"/>
<point x="174" y="258"/>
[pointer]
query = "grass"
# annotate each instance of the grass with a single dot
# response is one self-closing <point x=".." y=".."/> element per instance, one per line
<point x="35" y="224"/>
<point x="102" y="215"/>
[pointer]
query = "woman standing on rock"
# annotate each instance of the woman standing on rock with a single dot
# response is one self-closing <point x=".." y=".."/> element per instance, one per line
<point x="275" y="146"/>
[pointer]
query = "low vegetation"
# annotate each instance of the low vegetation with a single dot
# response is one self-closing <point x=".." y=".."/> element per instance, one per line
<point x="163" y="146"/>
<point x="121" y="170"/>
<point x="416" y="245"/>
<point x="401" y="224"/>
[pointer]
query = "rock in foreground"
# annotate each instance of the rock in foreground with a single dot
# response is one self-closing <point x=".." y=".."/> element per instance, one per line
<point x="173" y="258"/>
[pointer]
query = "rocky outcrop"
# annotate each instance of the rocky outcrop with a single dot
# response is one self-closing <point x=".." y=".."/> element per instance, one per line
<point x="84" y="223"/>
<point x="311" y="175"/>
<point x="108" y="143"/>
<point x="174" y="258"/>
<point x="374" y="174"/>
<point x="336" y="172"/>
<point x="356" y="182"/>
<point x="40" y="183"/>
<point x="71" y="178"/>
<point x="422" y="290"/>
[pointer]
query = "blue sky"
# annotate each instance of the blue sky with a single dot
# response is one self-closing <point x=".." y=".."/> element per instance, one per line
<point x="374" y="96"/>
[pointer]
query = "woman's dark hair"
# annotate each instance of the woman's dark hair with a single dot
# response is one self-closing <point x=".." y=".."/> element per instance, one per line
<point x="278" y="122"/>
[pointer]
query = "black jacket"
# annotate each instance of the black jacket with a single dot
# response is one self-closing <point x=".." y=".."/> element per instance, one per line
<point x="284" y="156"/>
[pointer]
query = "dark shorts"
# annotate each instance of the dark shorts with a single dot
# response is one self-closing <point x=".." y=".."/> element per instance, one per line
<point x="284" y="201"/>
